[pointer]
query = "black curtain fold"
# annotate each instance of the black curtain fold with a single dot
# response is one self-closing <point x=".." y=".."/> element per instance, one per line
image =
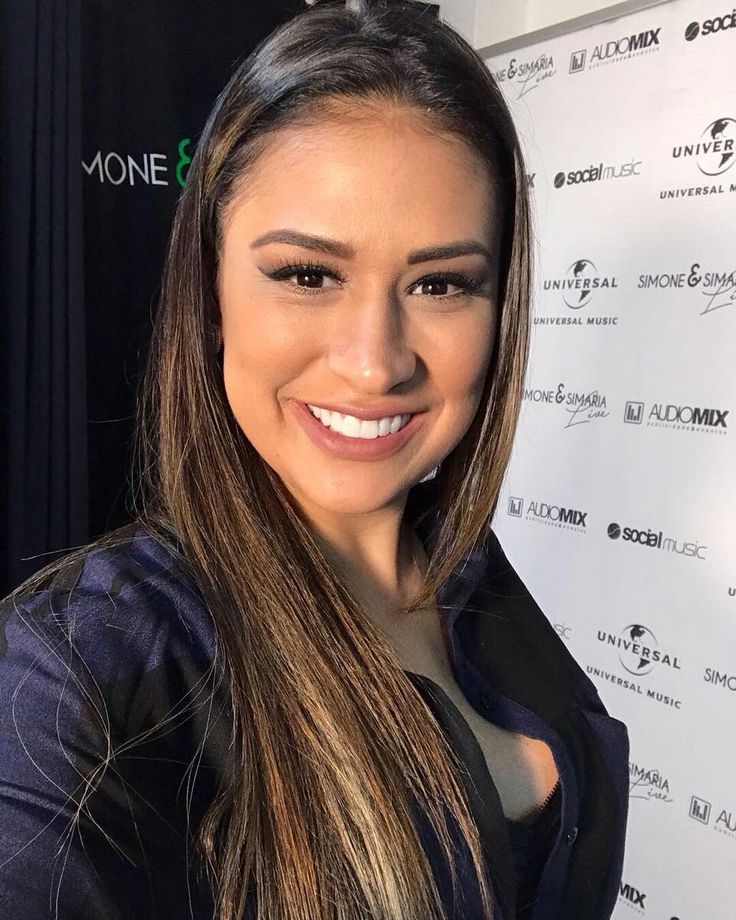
<point x="44" y="418"/>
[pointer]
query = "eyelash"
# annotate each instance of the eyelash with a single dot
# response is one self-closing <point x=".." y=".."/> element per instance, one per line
<point x="469" y="286"/>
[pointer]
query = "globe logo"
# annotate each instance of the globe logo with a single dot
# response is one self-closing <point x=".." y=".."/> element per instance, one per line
<point x="692" y="31"/>
<point x="638" y="638"/>
<point x="614" y="531"/>
<point x="719" y="143"/>
<point x="579" y="283"/>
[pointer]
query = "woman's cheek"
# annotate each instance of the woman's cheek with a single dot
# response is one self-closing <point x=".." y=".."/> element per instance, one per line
<point x="466" y="365"/>
<point x="265" y="355"/>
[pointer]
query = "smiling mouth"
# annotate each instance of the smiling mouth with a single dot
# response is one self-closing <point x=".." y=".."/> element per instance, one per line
<point x="351" y="438"/>
<point x="351" y="427"/>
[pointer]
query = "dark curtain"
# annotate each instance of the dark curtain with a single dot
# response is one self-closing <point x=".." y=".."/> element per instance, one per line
<point x="83" y="238"/>
<point x="44" y="418"/>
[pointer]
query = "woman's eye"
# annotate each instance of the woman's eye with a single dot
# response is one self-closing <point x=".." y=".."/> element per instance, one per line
<point x="308" y="279"/>
<point x="305" y="278"/>
<point x="436" y="286"/>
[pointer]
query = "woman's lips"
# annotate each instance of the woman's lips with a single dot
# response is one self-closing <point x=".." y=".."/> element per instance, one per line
<point x="339" y="445"/>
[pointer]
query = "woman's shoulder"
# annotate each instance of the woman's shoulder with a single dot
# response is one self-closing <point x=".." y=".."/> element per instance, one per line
<point x="114" y="610"/>
<point x="111" y="732"/>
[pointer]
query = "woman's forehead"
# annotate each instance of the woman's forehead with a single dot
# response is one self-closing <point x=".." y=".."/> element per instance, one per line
<point x="371" y="163"/>
<point x="360" y="130"/>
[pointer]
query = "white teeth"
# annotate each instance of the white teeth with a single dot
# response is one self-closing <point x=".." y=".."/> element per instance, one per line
<point x="352" y="427"/>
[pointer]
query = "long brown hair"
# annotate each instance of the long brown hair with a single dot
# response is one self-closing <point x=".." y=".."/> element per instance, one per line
<point x="331" y="742"/>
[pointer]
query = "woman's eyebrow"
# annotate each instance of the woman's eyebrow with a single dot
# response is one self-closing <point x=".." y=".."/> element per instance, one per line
<point x="449" y="251"/>
<point x="345" y="251"/>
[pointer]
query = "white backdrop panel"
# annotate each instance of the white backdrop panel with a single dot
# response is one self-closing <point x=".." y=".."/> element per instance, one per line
<point x="619" y="507"/>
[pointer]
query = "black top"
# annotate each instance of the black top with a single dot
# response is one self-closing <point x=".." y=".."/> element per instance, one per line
<point x="531" y="843"/>
<point x="531" y="840"/>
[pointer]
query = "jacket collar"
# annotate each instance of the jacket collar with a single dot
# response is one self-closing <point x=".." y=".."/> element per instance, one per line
<point x="503" y="632"/>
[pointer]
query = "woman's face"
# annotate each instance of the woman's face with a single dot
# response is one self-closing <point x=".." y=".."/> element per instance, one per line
<point x="358" y="274"/>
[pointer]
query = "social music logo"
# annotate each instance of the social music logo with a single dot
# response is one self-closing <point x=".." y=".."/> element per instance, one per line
<point x="677" y="416"/>
<point x="721" y="679"/>
<point x="648" y="784"/>
<point x="655" y="539"/>
<point x="599" y="173"/>
<point x="548" y="513"/>
<point x="716" y="289"/>
<point x="616" y="50"/>
<point x="711" y="26"/>
<point x="713" y="153"/>
<point x="527" y="75"/>
<point x="640" y="655"/>
<point x="114" y="168"/>
<point x="632" y="897"/>
<point x="580" y="283"/>
<point x="579" y="406"/>
<point x="702" y="811"/>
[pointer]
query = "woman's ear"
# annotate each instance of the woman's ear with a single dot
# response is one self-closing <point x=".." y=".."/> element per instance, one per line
<point x="214" y="336"/>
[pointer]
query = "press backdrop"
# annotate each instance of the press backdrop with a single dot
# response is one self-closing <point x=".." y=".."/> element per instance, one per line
<point x="619" y="508"/>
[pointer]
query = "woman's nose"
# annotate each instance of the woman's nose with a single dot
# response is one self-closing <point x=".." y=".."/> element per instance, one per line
<point x="369" y="347"/>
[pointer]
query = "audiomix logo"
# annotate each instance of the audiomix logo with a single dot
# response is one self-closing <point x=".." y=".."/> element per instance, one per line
<point x="577" y="60"/>
<point x="720" y="679"/>
<point x="655" y="539"/>
<point x="578" y="286"/>
<point x="702" y="811"/>
<point x="516" y="506"/>
<point x="632" y="897"/>
<point x="597" y="173"/>
<point x="616" y="50"/>
<point x="710" y="26"/>
<point x="579" y="406"/>
<point x="716" y="289"/>
<point x="548" y="513"/>
<point x="114" y="168"/>
<point x="527" y="75"/>
<point x="648" y="784"/>
<point x="677" y="416"/>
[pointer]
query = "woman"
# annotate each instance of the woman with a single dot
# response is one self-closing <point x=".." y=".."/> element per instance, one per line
<point x="305" y="682"/>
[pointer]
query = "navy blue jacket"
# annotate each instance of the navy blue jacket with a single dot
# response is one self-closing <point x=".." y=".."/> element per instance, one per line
<point x="134" y="643"/>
